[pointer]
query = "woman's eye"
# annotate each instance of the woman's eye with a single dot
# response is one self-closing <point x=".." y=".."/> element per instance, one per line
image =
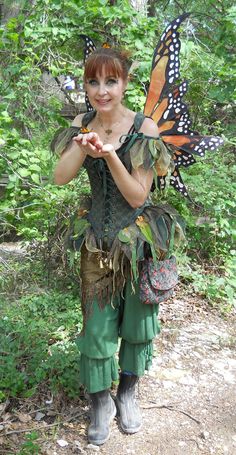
<point x="92" y="82"/>
<point x="111" y="81"/>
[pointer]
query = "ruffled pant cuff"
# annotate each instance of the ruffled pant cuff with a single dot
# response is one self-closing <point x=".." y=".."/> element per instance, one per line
<point x="136" y="357"/>
<point x="98" y="374"/>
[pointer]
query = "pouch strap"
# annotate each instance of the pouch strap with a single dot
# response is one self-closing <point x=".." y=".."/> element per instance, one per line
<point x="172" y="239"/>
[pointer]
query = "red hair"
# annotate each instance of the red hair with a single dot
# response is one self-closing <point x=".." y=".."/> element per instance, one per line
<point x="114" y="62"/>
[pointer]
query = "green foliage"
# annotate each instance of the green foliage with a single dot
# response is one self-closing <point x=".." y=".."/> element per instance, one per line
<point x="211" y="229"/>
<point x="30" y="446"/>
<point x="217" y="284"/>
<point x="38" y="328"/>
<point x="43" y="39"/>
<point x="37" y="344"/>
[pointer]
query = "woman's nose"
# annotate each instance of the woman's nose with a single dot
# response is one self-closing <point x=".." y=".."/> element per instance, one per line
<point x="102" y="90"/>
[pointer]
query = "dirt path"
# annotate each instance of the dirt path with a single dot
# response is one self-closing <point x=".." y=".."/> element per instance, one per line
<point x="188" y="398"/>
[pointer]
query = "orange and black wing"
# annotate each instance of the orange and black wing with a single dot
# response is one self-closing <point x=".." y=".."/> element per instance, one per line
<point x="165" y="66"/>
<point x="89" y="47"/>
<point x="166" y="107"/>
<point x="180" y="158"/>
<point x="174" y="125"/>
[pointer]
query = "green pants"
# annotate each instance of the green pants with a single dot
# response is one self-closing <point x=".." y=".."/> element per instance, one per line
<point x="130" y="320"/>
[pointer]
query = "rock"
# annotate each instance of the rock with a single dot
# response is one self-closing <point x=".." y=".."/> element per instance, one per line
<point x="23" y="417"/>
<point x="168" y="384"/>
<point x="188" y="380"/>
<point x="39" y="416"/>
<point x="62" y="443"/>
<point x="93" y="447"/>
<point x="78" y="448"/>
<point x="173" y="374"/>
<point x="204" y="435"/>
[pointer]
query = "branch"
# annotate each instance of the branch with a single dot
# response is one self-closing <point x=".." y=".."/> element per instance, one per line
<point x="28" y="430"/>
<point x="69" y="419"/>
<point x="167" y="4"/>
<point x="180" y="6"/>
<point x="31" y="185"/>
<point x="208" y="15"/>
<point x="171" y="408"/>
<point x="64" y="91"/>
<point x="220" y="11"/>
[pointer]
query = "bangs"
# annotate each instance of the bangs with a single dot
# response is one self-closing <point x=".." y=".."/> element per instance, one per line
<point x="96" y="64"/>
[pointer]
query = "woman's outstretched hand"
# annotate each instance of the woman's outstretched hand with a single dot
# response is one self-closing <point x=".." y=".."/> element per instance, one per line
<point x="91" y="144"/>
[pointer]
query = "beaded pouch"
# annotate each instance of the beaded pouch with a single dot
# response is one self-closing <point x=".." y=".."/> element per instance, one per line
<point x="157" y="280"/>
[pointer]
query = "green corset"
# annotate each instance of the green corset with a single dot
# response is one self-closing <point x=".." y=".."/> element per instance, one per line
<point x="111" y="221"/>
<point x="110" y="212"/>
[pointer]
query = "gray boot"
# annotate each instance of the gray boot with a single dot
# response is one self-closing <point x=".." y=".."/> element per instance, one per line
<point x="129" y="412"/>
<point x="103" y="410"/>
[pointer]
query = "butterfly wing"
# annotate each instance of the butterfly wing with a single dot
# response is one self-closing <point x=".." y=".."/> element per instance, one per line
<point x="182" y="158"/>
<point x="165" y="65"/>
<point x="193" y="142"/>
<point x="165" y="105"/>
<point x="177" y="182"/>
<point x="89" y="47"/>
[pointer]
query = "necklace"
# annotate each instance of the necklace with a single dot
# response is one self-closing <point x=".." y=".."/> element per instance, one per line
<point x="109" y="131"/>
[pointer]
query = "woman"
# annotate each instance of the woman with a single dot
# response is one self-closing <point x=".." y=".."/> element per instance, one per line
<point x="113" y="144"/>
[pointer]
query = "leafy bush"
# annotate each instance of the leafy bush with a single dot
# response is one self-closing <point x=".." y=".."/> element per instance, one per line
<point x="44" y="39"/>
<point x="30" y="446"/>
<point x="37" y="339"/>
<point x="211" y="230"/>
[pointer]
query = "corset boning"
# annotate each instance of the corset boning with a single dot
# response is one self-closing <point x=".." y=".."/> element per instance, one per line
<point x="110" y="212"/>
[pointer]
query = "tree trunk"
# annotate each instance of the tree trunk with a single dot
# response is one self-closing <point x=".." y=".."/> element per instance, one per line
<point x="1" y="4"/>
<point x="151" y="7"/>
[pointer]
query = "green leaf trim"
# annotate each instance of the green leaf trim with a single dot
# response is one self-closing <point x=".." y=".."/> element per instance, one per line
<point x="124" y="236"/>
<point x="134" y="262"/>
<point x="79" y="226"/>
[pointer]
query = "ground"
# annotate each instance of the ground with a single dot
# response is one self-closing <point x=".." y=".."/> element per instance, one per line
<point x="188" y="398"/>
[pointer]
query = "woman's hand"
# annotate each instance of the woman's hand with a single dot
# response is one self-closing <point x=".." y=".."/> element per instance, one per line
<point x="91" y="145"/>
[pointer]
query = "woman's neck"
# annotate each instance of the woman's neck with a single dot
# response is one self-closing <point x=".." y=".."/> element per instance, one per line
<point x="107" y="119"/>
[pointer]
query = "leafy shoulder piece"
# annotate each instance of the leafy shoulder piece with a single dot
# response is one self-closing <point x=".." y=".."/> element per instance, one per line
<point x="164" y="104"/>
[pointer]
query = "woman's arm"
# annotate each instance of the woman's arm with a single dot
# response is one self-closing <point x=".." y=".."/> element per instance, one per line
<point x="136" y="186"/>
<point x="71" y="159"/>
<point x="69" y="164"/>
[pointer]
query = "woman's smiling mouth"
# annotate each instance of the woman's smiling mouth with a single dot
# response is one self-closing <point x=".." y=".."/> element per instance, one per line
<point x="103" y="102"/>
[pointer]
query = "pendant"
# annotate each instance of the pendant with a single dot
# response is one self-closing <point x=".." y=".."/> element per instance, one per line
<point x="108" y="132"/>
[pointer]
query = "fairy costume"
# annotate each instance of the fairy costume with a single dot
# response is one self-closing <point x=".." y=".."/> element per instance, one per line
<point x="114" y="238"/>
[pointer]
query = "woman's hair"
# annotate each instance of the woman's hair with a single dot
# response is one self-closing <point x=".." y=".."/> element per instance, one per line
<point x="114" y="62"/>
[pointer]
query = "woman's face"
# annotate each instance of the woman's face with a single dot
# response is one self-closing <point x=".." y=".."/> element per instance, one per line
<point x="105" y="91"/>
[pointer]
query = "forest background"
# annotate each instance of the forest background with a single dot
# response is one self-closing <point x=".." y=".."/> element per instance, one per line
<point x="39" y="42"/>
